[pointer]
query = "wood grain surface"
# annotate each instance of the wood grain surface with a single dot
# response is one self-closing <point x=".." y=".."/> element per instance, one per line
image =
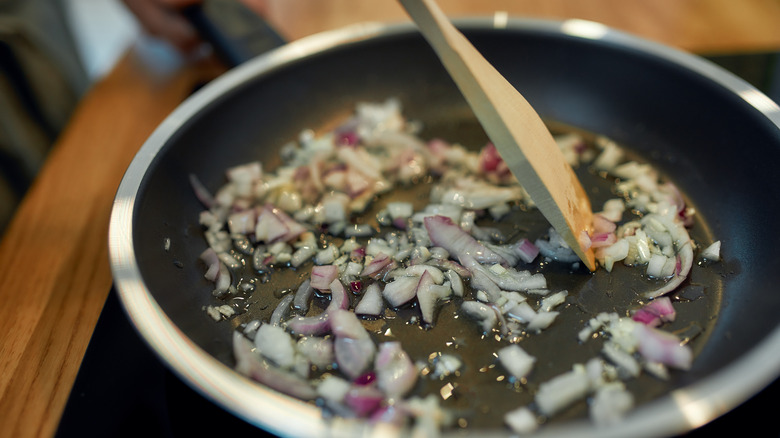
<point x="54" y="271"/>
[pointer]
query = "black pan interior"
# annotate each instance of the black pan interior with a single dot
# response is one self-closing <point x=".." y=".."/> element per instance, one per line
<point x="718" y="150"/>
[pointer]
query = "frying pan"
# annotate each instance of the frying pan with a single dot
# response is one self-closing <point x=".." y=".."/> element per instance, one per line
<point x="713" y="135"/>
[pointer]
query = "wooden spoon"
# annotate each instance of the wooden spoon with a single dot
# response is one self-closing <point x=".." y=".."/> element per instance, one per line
<point x="519" y="134"/>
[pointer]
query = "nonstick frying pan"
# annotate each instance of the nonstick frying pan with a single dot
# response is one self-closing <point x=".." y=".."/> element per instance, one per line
<point x="716" y="137"/>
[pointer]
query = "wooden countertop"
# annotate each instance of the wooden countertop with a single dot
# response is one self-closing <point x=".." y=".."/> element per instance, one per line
<point x="54" y="269"/>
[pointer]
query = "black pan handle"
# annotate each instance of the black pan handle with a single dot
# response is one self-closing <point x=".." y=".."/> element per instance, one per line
<point x="236" y="33"/>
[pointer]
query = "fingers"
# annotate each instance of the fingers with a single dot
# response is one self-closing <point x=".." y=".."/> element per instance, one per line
<point x="161" y="19"/>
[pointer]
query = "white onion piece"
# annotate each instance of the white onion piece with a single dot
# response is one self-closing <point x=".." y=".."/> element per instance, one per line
<point x="521" y="420"/>
<point x="712" y="252"/>
<point x="333" y="388"/>
<point x="481" y="312"/>
<point x="418" y="270"/>
<point x="248" y="363"/>
<point x="456" y="282"/>
<point x="686" y="261"/>
<point x="621" y="358"/>
<point x="551" y="301"/>
<point x="556" y="249"/>
<point x="515" y="360"/>
<point x="370" y="303"/>
<point x="303" y="296"/>
<point x="353" y="356"/>
<point x="319" y="351"/>
<point x="275" y="344"/>
<point x="270" y="227"/>
<point x="242" y="222"/>
<point x="610" y="404"/>
<point x="345" y="324"/>
<point x="563" y="390"/>
<point x="541" y="321"/>
<point x="210" y="257"/>
<point x="401" y="290"/>
<point x="395" y="373"/>
<point x="223" y="280"/>
<point x="281" y="310"/>
<point x="522" y="312"/>
<point x="428" y="294"/>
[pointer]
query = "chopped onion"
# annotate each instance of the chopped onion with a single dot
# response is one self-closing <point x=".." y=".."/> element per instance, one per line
<point x="322" y="276"/>
<point x="444" y="233"/>
<point x="563" y="390"/>
<point x="395" y="372"/>
<point x="610" y="404"/>
<point x="426" y="257"/>
<point x="712" y="252"/>
<point x="371" y="303"/>
<point x="521" y="420"/>
<point x="401" y="290"/>
<point x="249" y="363"/>
<point x="275" y="344"/>
<point x="658" y="346"/>
<point x="515" y="360"/>
<point x="303" y="296"/>
<point x="655" y="312"/>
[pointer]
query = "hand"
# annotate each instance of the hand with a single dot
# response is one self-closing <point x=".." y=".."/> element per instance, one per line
<point x="161" y="19"/>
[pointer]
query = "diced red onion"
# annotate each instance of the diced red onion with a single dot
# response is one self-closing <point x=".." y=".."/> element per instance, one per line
<point x="363" y="400"/>
<point x="526" y="250"/>
<point x="242" y="222"/>
<point x="345" y="324"/>
<point x="370" y="303"/>
<point x="210" y="257"/>
<point x="600" y="240"/>
<point x="201" y="192"/>
<point x="401" y="290"/>
<point x="249" y="364"/>
<point x="395" y="373"/>
<point x="281" y="310"/>
<point x="303" y="296"/>
<point x="275" y="344"/>
<point x="310" y="325"/>
<point x="322" y="276"/>
<point x="444" y="233"/>
<point x="426" y="296"/>
<point x="686" y="261"/>
<point x="659" y="346"/>
<point x="339" y="297"/>
<point x="319" y="351"/>
<point x="603" y="225"/>
<point x="353" y="356"/>
<point x="270" y="228"/>
<point x="655" y="312"/>
<point x="377" y="266"/>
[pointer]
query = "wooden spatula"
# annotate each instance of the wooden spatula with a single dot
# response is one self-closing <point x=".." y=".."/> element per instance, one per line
<point x="513" y="126"/>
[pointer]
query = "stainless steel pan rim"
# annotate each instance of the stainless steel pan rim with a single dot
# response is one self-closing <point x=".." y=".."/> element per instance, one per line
<point x="679" y="411"/>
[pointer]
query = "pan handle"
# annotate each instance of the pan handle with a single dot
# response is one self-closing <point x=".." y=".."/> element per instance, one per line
<point x="236" y="33"/>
